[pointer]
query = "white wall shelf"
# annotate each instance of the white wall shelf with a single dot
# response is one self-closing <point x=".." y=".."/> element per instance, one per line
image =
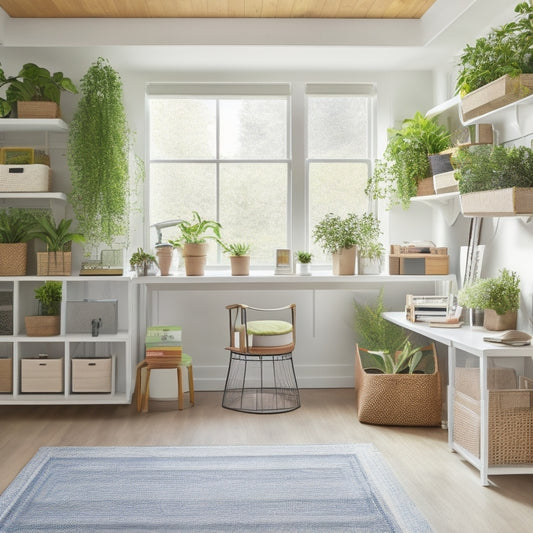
<point x="52" y="125"/>
<point x="448" y="203"/>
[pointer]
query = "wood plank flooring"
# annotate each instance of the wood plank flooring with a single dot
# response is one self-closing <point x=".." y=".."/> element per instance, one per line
<point x="445" y="488"/>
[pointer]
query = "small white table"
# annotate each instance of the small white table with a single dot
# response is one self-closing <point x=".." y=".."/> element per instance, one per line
<point x="469" y="340"/>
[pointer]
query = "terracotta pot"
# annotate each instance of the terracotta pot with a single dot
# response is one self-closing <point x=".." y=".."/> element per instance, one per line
<point x="496" y="322"/>
<point x="344" y="262"/>
<point x="164" y="258"/>
<point x="42" y="326"/>
<point x="195" y="257"/>
<point x="240" y="265"/>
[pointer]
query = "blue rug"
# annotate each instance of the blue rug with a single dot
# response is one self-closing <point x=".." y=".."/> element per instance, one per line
<point x="210" y="489"/>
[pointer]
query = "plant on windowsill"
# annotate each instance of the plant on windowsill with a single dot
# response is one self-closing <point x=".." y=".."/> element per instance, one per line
<point x="303" y="263"/>
<point x="99" y="147"/>
<point x="193" y="241"/>
<point x="502" y="59"/>
<point x="36" y="92"/>
<point x="143" y="263"/>
<point x="57" y="260"/>
<point x="494" y="180"/>
<point x="16" y="229"/>
<point x="400" y="173"/>
<point x="370" y="251"/>
<point x="239" y="257"/>
<point x="47" y="321"/>
<point x="499" y="297"/>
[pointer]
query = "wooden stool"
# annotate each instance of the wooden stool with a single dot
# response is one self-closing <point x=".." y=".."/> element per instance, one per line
<point x="142" y="399"/>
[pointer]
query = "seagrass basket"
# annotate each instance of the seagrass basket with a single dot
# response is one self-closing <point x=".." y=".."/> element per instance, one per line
<point x="398" y="399"/>
<point x="42" y="326"/>
<point x="37" y="109"/>
<point x="13" y="259"/>
<point x="54" y="263"/>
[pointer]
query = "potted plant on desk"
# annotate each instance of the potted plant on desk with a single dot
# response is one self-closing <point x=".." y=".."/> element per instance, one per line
<point x="47" y="321"/>
<point x="370" y="251"/>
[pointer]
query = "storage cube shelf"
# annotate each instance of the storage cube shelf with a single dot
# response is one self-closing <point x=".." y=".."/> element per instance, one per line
<point x="74" y="379"/>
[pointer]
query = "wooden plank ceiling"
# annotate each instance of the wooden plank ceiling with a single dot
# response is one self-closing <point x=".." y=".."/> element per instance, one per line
<point x="400" y="9"/>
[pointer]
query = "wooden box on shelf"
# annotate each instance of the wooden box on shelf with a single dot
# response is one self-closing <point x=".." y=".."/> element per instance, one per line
<point x="499" y="203"/>
<point x="404" y="262"/>
<point x="6" y="375"/>
<point x="425" y="187"/>
<point x="91" y="374"/>
<point x="500" y="92"/>
<point x="445" y="182"/>
<point x="41" y="375"/>
<point x="54" y="263"/>
<point x="37" y="109"/>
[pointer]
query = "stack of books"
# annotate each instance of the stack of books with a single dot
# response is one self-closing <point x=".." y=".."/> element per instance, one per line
<point x="433" y="309"/>
<point x="163" y="345"/>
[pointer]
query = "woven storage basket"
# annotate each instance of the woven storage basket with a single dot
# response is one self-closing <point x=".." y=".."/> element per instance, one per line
<point x="42" y="326"/>
<point x="25" y="178"/>
<point x="37" y="109"/>
<point x="398" y="399"/>
<point x="13" y="259"/>
<point x="54" y="263"/>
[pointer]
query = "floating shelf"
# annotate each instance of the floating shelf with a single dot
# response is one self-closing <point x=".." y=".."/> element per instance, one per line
<point x="56" y="125"/>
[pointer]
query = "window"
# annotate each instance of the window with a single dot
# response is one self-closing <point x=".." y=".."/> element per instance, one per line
<point x="228" y="152"/>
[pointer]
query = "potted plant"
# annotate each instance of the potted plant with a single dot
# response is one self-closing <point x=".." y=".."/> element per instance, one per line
<point x="396" y="383"/>
<point x="142" y="262"/>
<point x="400" y="173"/>
<point x="16" y="229"/>
<point x="193" y="242"/>
<point x="47" y="321"/>
<point x="499" y="297"/>
<point x="36" y="92"/>
<point x="370" y="250"/>
<point x="57" y="260"/>
<point x="339" y="236"/>
<point x="498" y="68"/>
<point x="164" y="251"/>
<point x="98" y="153"/>
<point x="495" y="180"/>
<point x="239" y="258"/>
<point x="303" y="265"/>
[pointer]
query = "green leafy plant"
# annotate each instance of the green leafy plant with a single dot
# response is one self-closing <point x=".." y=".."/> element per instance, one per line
<point x="502" y="293"/>
<point x="405" y="160"/>
<point x="304" y="257"/>
<point x="334" y="232"/>
<point x="369" y="245"/>
<point x="37" y="83"/>
<point x="5" y="105"/>
<point x="49" y="296"/>
<point x="57" y="238"/>
<point x="142" y="258"/>
<point x="16" y="225"/>
<point x="197" y="231"/>
<point x="406" y="360"/>
<point x="504" y="50"/>
<point x="487" y="167"/>
<point x="99" y="147"/>
<point x="236" y="249"/>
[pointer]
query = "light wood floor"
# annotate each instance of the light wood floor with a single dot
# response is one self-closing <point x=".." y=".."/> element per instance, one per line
<point x="445" y="488"/>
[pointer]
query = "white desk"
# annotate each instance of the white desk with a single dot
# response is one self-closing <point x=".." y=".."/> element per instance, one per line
<point x="469" y="340"/>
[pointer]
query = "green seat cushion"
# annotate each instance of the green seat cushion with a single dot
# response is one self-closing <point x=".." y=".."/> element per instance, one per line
<point x="269" y="327"/>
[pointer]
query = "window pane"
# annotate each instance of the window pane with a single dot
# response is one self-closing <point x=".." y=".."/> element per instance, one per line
<point x="182" y="128"/>
<point x="253" y="128"/>
<point x="253" y="207"/>
<point x="335" y="188"/>
<point x="338" y="127"/>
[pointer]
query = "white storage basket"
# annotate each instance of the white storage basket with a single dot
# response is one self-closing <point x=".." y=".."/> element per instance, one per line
<point x="25" y="178"/>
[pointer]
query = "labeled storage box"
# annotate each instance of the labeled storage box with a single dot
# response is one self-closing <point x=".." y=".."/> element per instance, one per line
<point x="80" y="316"/>
<point x="25" y="178"/>
<point x="91" y="375"/>
<point x="41" y="375"/>
<point x="6" y="375"/>
<point x="23" y="156"/>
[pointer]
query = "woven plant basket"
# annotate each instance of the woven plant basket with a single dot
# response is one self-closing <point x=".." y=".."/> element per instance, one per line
<point x="54" y="263"/>
<point x="13" y="259"/>
<point x="398" y="399"/>
<point x="42" y="326"/>
<point x="37" y="109"/>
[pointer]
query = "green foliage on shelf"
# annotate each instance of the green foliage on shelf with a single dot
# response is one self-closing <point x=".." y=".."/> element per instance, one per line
<point x="99" y="148"/>
<point x="334" y="232"/>
<point x="49" y="296"/>
<point x="370" y="232"/>
<point x="405" y="160"/>
<point x="235" y="249"/>
<point x="197" y="231"/>
<point x="57" y="238"/>
<point x="142" y="258"/>
<point x="304" y="257"/>
<point x="502" y="294"/>
<point x="16" y="225"/>
<point x="504" y="50"/>
<point x="487" y="167"/>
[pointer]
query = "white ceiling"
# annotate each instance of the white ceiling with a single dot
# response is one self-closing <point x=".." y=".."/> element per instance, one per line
<point x="238" y="44"/>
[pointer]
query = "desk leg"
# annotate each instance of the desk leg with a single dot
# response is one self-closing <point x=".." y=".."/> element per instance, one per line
<point x="484" y="425"/>
<point x="452" y="361"/>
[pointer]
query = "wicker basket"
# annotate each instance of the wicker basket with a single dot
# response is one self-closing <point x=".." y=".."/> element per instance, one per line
<point x="54" y="263"/>
<point x="42" y="326"/>
<point x="37" y="109"/>
<point x="13" y="259"/>
<point x="398" y="399"/>
<point x="25" y="178"/>
<point x="510" y="416"/>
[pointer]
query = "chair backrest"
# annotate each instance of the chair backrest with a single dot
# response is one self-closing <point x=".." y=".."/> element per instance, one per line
<point x="273" y="329"/>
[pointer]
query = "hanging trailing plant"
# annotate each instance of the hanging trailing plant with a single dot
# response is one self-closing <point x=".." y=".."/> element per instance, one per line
<point x="98" y="155"/>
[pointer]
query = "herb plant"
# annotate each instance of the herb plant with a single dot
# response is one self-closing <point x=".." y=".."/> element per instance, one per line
<point x="405" y="160"/>
<point x="236" y="249"/>
<point x="370" y="232"/>
<point x="504" y="50"/>
<point x="304" y="257"/>
<point x="99" y="147"/>
<point x="49" y="295"/>
<point x="502" y="294"/>
<point x="334" y="232"/>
